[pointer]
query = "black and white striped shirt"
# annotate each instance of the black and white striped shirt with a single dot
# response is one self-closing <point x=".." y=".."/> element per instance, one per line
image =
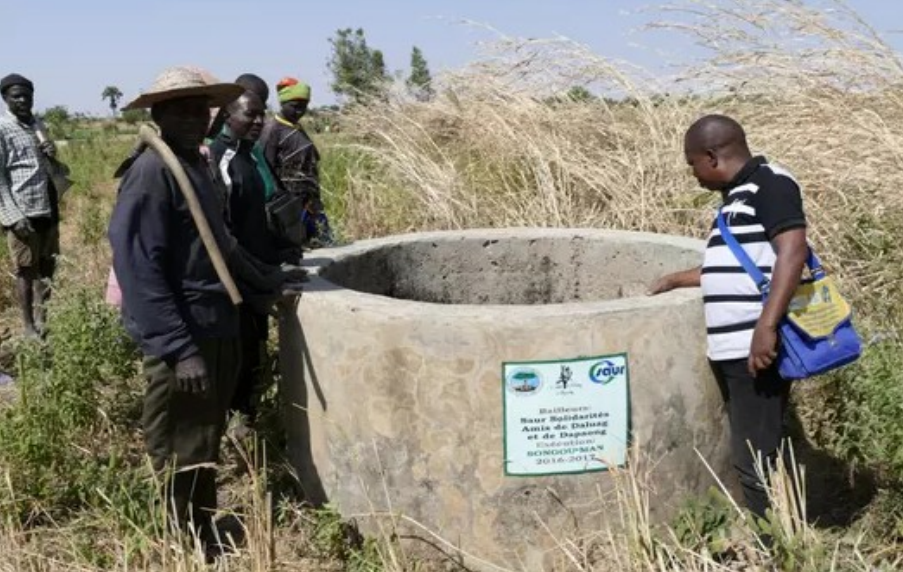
<point x="762" y="201"/>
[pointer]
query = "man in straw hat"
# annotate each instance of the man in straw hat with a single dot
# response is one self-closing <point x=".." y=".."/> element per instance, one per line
<point x="173" y="302"/>
<point x="29" y="210"/>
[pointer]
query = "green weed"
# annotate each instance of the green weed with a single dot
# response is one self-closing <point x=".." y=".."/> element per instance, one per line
<point x="66" y="442"/>
<point x="92" y="223"/>
<point x="867" y="410"/>
<point x="705" y="523"/>
<point x="94" y="160"/>
<point x="338" y="539"/>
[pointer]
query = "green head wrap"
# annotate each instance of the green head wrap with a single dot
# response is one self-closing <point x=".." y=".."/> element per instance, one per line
<point x="294" y="91"/>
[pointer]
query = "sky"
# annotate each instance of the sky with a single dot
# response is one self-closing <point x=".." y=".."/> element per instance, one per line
<point x="72" y="49"/>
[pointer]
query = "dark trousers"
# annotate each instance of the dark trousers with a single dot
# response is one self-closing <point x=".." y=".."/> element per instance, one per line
<point x="254" y="330"/>
<point x="757" y="410"/>
<point x="182" y="432"/>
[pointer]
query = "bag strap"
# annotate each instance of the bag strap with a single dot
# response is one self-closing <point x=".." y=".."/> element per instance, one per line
<point x="762" y="283"/>
<point x="814" y="264"/>
<point x="742" y="257"/>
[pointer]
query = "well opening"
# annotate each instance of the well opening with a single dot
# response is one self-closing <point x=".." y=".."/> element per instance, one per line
<point x="509" y="271"/>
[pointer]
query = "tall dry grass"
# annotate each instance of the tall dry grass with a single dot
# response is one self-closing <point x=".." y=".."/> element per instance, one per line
<point x="817" y="89"/>
<point x="299" y="543"/>
<point x="261" y="533"/>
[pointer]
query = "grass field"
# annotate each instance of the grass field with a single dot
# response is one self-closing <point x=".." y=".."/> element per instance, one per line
<point x="494" y="148"/>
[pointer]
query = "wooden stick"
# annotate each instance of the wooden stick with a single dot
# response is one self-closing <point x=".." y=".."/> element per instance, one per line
<point x="150" y="137"/>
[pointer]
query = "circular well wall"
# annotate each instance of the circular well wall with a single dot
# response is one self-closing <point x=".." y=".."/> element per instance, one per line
<point x="508" y="271"/>
<point x="393" y="390"/>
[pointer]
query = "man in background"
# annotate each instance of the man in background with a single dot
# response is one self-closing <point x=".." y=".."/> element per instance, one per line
<point x="29" y="208"/>
<point x="256" y="85"/>
<point x="292" y="153"/>
<point x="232" y="152"/>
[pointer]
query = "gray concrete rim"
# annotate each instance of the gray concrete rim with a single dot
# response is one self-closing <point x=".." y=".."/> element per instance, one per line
<point x="318" y="260"/>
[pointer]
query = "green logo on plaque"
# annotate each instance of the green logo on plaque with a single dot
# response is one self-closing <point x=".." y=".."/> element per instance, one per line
<point x="524" y="381"/>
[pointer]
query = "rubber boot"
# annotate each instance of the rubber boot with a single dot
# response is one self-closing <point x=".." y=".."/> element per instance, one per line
<point x="215" y="545"/>
<point x="185" y="496"/>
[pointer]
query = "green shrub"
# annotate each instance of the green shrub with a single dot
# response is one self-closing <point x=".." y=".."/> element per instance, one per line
<point x="705" y="523"/>
<point x="135" y="116"/>
<point x="338" y="539"/>
<point x="93" y="160"/>
<point x="92" y="223"/>
<point x="862" y="413"/>
<point x="59" y="122"/>
<point x="68" y="442"/>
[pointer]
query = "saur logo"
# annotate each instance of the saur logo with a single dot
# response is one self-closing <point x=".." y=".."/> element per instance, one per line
<point x="605" y="371"/>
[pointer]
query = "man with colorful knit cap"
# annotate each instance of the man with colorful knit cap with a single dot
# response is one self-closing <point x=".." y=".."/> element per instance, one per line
<point x="292" y="154"/>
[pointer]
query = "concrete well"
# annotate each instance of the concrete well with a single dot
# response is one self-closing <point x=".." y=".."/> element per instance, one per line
<point x="396" y="395"/>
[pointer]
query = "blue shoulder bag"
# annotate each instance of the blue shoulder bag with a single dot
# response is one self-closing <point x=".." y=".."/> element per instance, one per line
<point x="816" y="334"/>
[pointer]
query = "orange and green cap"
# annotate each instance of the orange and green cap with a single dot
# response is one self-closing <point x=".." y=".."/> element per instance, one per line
<point x="290" y="89"/>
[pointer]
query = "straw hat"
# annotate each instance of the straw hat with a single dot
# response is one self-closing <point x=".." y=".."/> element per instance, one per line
<point x="178" y="82"/>
<point x="210" y="79"/>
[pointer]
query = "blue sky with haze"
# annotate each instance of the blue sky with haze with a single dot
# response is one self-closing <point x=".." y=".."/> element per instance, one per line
<point x="72" y="49"/>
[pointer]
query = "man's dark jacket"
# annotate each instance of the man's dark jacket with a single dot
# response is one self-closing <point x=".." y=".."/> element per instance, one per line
<point x="293" y="156"/>
<point x="245" y="195"/>
<point x="171" y="295"/>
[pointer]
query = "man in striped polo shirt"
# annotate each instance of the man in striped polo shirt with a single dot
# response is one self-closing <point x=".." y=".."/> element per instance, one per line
<point x="764" y="212"/>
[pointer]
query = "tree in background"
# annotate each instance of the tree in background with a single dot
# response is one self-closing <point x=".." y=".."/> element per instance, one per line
<point x="57" y="114"/>
<point x="580" y="94"/>
<point x="576" y="94"/>
<point x="112" y="94"/>
<point x="420" y="81"/>
<point x="358" y="71"/>
<point x="378" y="66"/>
<point x="58" y="121"/>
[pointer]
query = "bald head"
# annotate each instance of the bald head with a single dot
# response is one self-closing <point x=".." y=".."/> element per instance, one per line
<point x="716" y="149"/>
<point x="718" y="133"/>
